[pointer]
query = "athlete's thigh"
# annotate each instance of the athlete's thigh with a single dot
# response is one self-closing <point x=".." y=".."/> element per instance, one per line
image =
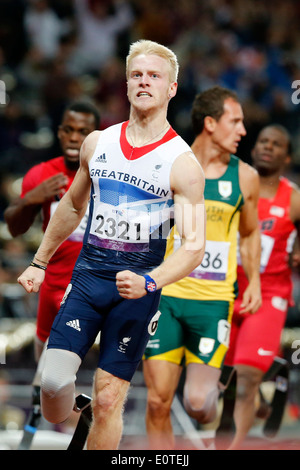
<point x="259" y="336"/>
<point x="48" y="307"/>
<point x="167" y="342"/>
<point x="161" y="378"/>
<point x="208" y="326"/>
<point x="125" y="333"/>
<point x="118" y="388"/>
<point x="201" y="377"/>
<point x="82" y="311"/>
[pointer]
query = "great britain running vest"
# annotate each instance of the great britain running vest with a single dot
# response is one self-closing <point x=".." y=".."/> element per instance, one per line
<point x="131" y="208"/>
<point x="215" y="278"/>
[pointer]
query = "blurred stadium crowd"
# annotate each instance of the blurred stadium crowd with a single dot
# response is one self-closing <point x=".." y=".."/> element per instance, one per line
<point x="53" y="52"/>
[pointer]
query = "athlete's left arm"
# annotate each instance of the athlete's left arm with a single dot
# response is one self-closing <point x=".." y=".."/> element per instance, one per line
<point x="295" y="218"/>
<point x="250" y="242"/>
<point x="187" y="182"/>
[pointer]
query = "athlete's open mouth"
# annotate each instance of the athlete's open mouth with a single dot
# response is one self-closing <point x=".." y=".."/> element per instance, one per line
<point x="72" y="152"/>
<point x="143" y="93"/>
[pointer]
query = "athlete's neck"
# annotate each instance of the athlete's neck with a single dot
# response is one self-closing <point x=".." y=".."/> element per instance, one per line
<point x="268" y="186"/>
<point x="142" y="132"/>
<point x="71" y="165"/>
<point x="213" y="162"/>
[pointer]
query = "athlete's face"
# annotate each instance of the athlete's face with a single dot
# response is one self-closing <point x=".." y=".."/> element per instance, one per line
<point x="229" y="129"/>
<point x="73" y="130"/>
<point x="149" y="83"/>
<point x="270" y="153"/>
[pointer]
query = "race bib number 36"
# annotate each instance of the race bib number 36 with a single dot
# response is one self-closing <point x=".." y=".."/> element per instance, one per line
<point x="215" y="262"/>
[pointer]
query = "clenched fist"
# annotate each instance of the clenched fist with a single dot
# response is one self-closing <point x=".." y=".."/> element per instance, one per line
<point x="31" y="279"/>
<point x="130" y="285"/>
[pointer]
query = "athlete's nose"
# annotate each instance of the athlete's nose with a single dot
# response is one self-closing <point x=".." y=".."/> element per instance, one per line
<point x="144" y="80"/>
<point x="243" y="131"/>
<point x="74" y="136"/>
<point x="267" y="144"/>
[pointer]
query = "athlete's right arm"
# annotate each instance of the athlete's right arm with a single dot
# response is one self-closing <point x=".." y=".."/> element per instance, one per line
<point x="66" y="218"/>
<point x="20" y="214"/>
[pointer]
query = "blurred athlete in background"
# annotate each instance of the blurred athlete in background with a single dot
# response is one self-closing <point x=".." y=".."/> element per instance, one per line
<point x="255" y="339"/>
<point x="42" y="188"/>
<point x="196" y="311"/>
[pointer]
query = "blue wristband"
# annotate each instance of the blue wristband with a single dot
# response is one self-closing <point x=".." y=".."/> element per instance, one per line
<point x="150" y="284"/>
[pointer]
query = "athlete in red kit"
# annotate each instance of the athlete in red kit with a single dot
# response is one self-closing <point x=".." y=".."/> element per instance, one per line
<point x="255" y="339"/>
<point x="42" y="188"/>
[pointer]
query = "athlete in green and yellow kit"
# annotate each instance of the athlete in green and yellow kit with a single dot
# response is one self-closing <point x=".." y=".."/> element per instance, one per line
<point x="194" y="324"/>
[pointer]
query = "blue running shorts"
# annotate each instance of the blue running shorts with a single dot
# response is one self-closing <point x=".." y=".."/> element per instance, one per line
<point x="91" y="304"/>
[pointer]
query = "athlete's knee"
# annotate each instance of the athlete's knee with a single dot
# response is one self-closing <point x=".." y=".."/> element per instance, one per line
<point x="202" y="404"/>
<point x="159" y="403"/>
<point x="106" y="399"/>
<point x="58" y="384"/>
<point x="109" y="396"/>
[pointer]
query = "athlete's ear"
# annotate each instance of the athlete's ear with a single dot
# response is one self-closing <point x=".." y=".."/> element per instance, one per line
<point x="209" y="123"/>
<point x="288" y="160"/>
<point x="172" y="90"/>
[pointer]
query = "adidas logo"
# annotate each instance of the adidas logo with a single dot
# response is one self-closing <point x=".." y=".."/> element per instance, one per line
<point x="74" y="324"/>
<point x="101" y="158"/>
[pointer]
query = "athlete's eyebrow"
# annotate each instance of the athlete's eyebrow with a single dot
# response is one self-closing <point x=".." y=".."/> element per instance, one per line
<point x="148" y="72"/>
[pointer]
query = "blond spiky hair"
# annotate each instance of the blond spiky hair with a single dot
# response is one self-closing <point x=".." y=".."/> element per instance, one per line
<point x="144" y="46"/>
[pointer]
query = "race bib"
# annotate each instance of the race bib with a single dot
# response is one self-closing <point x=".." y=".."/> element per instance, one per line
<point x="267" y="244"/>
<point x="118" y="228"/>
<point x="215" y="262"/>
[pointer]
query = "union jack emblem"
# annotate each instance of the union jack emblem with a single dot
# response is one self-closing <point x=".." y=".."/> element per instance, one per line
<point x="151" y="286"/>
